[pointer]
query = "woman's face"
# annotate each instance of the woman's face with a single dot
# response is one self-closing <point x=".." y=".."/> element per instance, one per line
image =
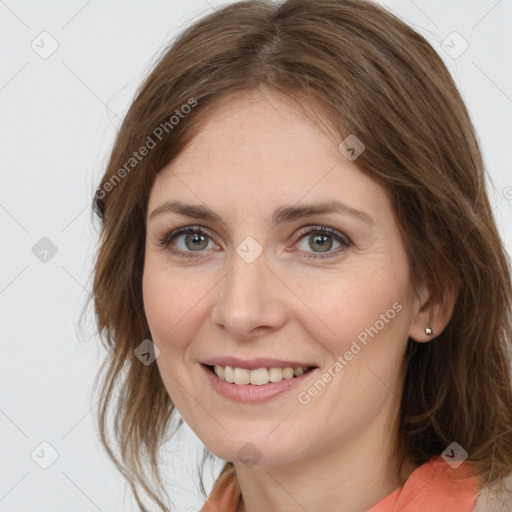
<point x="248" y="288"/>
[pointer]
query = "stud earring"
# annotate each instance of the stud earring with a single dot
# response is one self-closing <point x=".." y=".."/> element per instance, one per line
<point x="428" y="330"/>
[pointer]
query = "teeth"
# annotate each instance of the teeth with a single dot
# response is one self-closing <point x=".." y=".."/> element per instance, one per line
<point x="241" y="376"/>
<point x="298" y="371"/>
<point x="257" y="377"/>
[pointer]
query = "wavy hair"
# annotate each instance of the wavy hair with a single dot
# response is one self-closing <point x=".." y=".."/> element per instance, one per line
<point x="360" y="70"/>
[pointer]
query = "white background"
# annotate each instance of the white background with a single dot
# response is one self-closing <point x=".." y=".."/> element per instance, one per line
<point x="58" y="118"/>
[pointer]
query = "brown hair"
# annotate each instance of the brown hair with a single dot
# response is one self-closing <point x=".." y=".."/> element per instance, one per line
<point x="364" y="72"/>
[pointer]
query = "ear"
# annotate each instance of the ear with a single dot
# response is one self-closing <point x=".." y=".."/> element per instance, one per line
<point x="432" y="308"/>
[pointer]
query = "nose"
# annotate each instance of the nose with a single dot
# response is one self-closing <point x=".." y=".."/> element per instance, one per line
<point x="250" y="300"/>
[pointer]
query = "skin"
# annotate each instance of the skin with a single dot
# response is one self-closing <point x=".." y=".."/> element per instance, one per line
<point x="254" y="154"/>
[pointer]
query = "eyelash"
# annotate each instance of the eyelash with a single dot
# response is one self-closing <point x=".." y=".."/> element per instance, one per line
<point x="165" y="242"/>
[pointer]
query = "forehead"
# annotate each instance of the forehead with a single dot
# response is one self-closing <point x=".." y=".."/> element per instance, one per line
<point x="252" y="132"/>
<point x="259" y="148"/>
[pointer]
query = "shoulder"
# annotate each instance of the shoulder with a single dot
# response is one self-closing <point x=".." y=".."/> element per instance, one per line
<point x="495" y="498"/>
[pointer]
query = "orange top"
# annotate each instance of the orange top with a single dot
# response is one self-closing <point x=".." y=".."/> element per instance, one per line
<point x="433" y="486"/>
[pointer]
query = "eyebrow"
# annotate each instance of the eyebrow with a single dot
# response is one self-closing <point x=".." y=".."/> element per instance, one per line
<point x="282" y="214"/>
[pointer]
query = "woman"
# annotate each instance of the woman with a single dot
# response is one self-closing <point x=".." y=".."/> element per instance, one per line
<point x="298" y="254"/>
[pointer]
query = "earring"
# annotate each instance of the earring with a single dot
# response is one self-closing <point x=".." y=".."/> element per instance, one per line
<point x="428" y="330"/>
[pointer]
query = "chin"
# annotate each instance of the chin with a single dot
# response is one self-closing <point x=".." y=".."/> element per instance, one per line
<point x="254" y="451"/>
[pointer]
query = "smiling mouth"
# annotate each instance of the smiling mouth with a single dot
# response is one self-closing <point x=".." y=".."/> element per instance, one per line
<point x="257" y="377"/>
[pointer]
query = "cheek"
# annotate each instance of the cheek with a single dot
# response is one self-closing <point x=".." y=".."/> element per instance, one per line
<point x="358" y="303"/>
<point x="168" y="306"/>
<point x="157" y="306"/>
<point x="369" y="318"/>
<point x="371" y="322"/>
<point x="165" y="301"/>
<point x="174" y="303"/>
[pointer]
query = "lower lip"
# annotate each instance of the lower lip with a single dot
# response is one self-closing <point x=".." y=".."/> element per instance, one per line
<point x="251" y="392"/>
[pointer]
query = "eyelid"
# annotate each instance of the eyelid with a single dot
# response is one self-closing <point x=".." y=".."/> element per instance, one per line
<point x="322" y="229"/>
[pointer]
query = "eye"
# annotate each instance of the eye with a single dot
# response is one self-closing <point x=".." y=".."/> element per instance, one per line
<point x="321" y="237"/>
<point x="186" y="241"/>
<point x="193" y="239"/>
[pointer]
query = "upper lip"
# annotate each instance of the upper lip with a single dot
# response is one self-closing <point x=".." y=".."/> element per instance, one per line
<point x="253" y="364"/>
